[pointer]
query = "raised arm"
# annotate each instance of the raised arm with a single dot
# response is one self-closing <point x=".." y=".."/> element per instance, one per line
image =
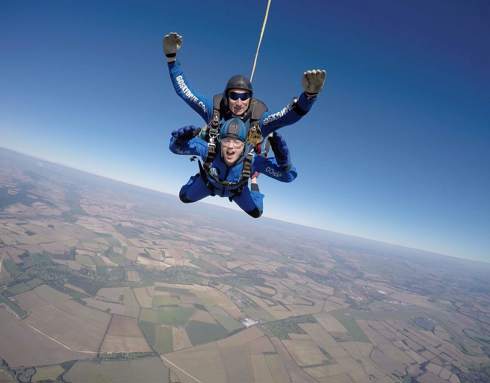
<point x="172" y="42"/>
<point x="313" y="81"/>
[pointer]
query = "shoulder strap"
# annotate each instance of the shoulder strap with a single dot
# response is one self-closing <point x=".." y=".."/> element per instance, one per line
<point x="257" y="109"/>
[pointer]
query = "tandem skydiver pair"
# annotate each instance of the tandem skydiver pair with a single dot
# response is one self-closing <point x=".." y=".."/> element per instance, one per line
<point x="233" y="146"/>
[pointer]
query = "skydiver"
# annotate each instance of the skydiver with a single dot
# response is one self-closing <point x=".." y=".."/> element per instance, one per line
<point x="226" y="174"/>
<point x="237" y="99"/>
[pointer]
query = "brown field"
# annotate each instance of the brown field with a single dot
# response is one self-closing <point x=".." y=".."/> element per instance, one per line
<point x="296" y="374"/>
<point x="124" y="335"/>
<point x="132" y="253"/>
<point x="108" y="261"/>
<point x="119" y="300"/>
<point x="386" y="363"/>
<point x="317" y="372"/>
<point x="342" y="378"/>
<point x="237" y="362"/>
<point x="95" y="224"/>
<point x="358" y="350"/>
<point x="276" y="368"/>
<point x="261" y="371"/>
<point x="238" y="358"/>
<point x="324" y="340"/>
<point x="23" y="346"/>
<point x="124" y="326"/>
<point x="354" y="369"/>
<point x="132" y="275"/>
<point x="412" y="299"/>
<point x="261" y="345"/>
<point x="203" y="362"/>
<point x="124" y="344"/>
<point x="55" y="315"/>
<point x="429" y="377"/>
<point x="207" y="296"/>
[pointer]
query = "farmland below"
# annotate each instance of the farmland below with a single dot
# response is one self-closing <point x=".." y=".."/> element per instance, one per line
<point x="104" y="281"/>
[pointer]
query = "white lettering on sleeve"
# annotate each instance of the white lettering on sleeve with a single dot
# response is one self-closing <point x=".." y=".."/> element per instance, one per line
<point x="188" y="94"/>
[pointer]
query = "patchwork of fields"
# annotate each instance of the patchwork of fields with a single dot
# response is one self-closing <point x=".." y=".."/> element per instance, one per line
<point x="101" y="281"/>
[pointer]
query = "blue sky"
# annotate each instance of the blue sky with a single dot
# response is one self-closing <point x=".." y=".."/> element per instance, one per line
<point x="395" y="149"/>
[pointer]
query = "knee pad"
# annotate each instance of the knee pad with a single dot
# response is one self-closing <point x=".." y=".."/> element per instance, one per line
<point x="255" y="213"/>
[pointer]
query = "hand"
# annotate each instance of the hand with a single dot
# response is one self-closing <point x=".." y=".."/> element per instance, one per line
<point x="313" y="81"/>
<point x="185" y="133"/>
<point x="172" y="42"/>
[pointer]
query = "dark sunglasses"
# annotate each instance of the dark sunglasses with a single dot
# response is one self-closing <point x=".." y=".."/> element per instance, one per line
<point x="242" y="96"/>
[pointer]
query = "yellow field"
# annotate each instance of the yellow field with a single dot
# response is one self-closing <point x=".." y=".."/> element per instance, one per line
<point x="180" y="339"/>
<point x="305" y="352"/>
<point x="143" y="297"/>
<point x="329" y="323"/>
<point x="202" y="316"/>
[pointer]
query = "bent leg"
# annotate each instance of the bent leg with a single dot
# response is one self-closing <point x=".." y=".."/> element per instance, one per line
<point x="194" y="190"/>
<point x="251" y="202"/>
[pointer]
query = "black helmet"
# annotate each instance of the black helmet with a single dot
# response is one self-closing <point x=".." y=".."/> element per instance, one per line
<point x="238" y="82"/>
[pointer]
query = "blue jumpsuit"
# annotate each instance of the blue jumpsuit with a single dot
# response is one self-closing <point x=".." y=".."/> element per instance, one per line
<point x="204" y="105"/>
<point x="251" y="201"/>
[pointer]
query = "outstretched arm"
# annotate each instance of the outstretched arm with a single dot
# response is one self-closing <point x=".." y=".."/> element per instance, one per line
<point x="280" y="166"/>
<point x="269" y="167"/>
<point x="185" y="141"/>
<point x="172" y="42"/>
<point x="313" y="81"/>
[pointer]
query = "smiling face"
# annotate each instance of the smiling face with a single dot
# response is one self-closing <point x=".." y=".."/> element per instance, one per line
<point x="238" y="101"/>
<point x="231" y="150"/>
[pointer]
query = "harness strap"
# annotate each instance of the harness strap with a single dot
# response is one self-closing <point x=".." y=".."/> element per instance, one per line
<point x="213" y="132"/>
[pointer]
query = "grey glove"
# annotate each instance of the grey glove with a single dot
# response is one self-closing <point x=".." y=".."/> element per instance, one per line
<point x="171" y="44"/>
<point x="313" y="81"/>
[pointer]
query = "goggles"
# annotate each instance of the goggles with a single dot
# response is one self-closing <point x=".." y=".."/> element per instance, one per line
<point x="232" y="142"/>
<point x="242" y="96"/>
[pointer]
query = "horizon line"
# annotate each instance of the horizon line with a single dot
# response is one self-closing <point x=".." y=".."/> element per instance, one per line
<point x="382" y="241"/>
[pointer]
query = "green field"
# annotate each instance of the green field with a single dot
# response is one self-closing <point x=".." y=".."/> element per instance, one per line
<point x="200" y="332"/>
<point x="282" y="328"/>
<point x="85" y="260"/>
<point x="22" y="287"/>
<point x="147" y="370"/>
<point x="99" y="262"/>
<point x="164" y="340"/>
<point x="149" y="331"/>
<point x="175" y="290"/>
<point x="349" y="322"/>
<point x="47" y="373"/>
<point x="11" y="268"/>
<point x="171" y="316"/>
<point x="224" y="319"/>
<point x="160" y="337"/>
<point x="13" y="306"/>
